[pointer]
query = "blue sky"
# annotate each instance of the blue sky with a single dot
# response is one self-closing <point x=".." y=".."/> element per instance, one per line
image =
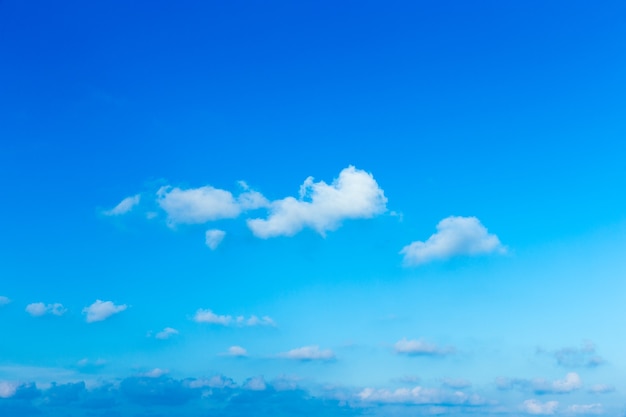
<point x="312" y="208"/>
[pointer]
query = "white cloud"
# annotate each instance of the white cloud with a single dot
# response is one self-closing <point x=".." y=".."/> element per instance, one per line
<point x="455" y="236"/>
<point x="208" y="316"/>
<point x="255" y="384"/>
<point x="539" y="408"/>
<point x="217" y="381"/>
<point x="166" y="333"/>
<point x="214" y="237"/>
<point x="125" y="206"/>
<point x="420" y="348"/>
<point x="41" y="309"/>
<point x="309" y="353"/>
<point x="601" y="389"/>
<point x="322" y="207"/>
<point x="570" y="383"/>
<point x="4" y="300"/>
<point x="418" y="395"/>
<point x="237" y="351"/>
<point x="7" y="389"/>
<point x="204" y="204"/>
<point x="101" y="310"/>
<point x="595" y="408"/>
<point x="155" y="373"/>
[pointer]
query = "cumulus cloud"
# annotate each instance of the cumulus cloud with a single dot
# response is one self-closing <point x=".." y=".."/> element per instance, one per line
<point x="256" y="383"/>
<point x="214" y="237"/>
<point x="237" y="351"/>
<point x="41" y="309"/>
<point x="166" y="333"/>
<point x="309" y="353"/>
<point x="571" y="382"/>
<point x="538" y="408"/>
<point x="208" y="316"/>
<point x="455" y="236"/>
<point x="4" y="300"/>
<point x="102" y="310"/>
<point x="583" y="356"/>
<point x="419" y="395"/>
<point x="420" y="348"/>
<point x="323" y="207"/>
<point x="7" y="389"/>
<point x="125" y="206"/>
<point x="204" y="204"/>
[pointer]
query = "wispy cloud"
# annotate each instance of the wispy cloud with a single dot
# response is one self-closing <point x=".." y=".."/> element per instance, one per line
<point x="309" y="353"/>
<point x="125" y="206"/>
<point x="419" y="395"/>
<point x="323" y="207"/>
<point x="4" y="300"/>
<point x="237" y="351"/>
<point x="166" y="333"/>
<point x="586" y="409"/>
<point x="601" y="389"/>
<point x="208" y="316"/>
<point x="41" y="309"/>
<point x="540" y="386"/>
<point x="214" y="237"/>
<point x="455" y="236"/>
<point x="583" y="356"/>
<point x="421" y="348"/>
<point x="101" y="310"/>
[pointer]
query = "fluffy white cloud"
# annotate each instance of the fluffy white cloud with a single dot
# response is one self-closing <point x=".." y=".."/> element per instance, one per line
<point x="124" y="206"/>
<point x="455" y="236"/>
<point x="309" y="353"/>
<point x="41" y="309"/>
<point x="570" y="383"/>
<point x="323" y="207"/>
<point x="539" y="408"/>
<point x="101" y="310"/>
<point x="418" y="395"/>
<point x="214" y="237"/>
<point x="208" y="316"/>
<point x="420" y="348"/>
<point x="237" y="351"/>
<point x="586" y="409"/>
<point x="204" y="204"/>
<point x="166" y="333"/>
<point x="4" y="300"/>
<point x="7" y="389"/>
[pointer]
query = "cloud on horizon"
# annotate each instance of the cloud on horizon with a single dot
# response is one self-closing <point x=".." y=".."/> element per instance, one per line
<point x="456" y="236"/>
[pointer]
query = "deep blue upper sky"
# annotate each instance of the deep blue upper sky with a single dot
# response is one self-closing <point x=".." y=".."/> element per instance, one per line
<point x="507" y="115"/>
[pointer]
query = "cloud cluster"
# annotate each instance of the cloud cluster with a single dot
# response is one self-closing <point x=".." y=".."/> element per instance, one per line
<point x="538" y="408"/>
<point x="540" y="386"/>
<point x="419" y="395"/>
<point x="455" y="236"/>
<point x="102" y="310"/>
<point x="208" y="316"/>
<point x="41" y="309"/>
<point x="583" y="356"/>
<point x="421" y="348"/>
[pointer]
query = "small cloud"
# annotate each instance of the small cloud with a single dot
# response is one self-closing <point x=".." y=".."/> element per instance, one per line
<point x="571" y="382"/>
<point x="601" y="389"/>
<point x="86" y="365"/>
<point x="7" y="389"/>
<point x="419" y="395"/>
<point x="586" y="409"/>
<point x="583" y="356"/>
<point x="166" y="333"/>
<point x="125" y="206"/>
<point x="309" y="353"/>
<point x="420" y="348"/>
<point x="155" y="373"/>
<point x="101" y="310"/>
<point x="217" y="381"/>
<point x="455" y="236"/>
<point x="538" y="408"/>
<point x="214" y="237"/>
<point x="458" y="383"/>
<point x="255" y="384"/>
<point x="323" y="207"/>
<point x="41" y="309"/>
<point x="4" y="300"/>
<point x="237" y="351"/>
<point x="208" y="316"/>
